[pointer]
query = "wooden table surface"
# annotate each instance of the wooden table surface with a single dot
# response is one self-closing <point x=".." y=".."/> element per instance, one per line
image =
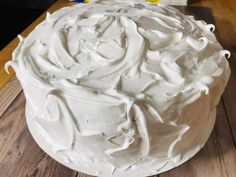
<point x="21" y="157"/>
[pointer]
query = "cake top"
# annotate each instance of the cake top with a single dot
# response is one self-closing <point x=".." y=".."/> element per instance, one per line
<point x="132" y="47"/>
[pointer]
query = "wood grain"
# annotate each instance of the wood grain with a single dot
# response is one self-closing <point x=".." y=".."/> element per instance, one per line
<point x="229" y="97"/>
<point x="11" y="123"/>
<point x="8" y="94"/>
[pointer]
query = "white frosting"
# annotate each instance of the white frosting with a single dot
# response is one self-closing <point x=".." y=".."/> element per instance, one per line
<point x="122" y="86"/>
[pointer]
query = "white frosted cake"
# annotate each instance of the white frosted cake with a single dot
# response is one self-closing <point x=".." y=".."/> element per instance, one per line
<point x="119" y="88"/>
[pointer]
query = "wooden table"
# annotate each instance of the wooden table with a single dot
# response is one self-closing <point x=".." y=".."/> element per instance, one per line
<point x="21" y="157"/>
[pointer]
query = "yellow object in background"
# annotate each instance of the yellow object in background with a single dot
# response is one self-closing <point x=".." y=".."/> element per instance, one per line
<point x="153" y="1"/>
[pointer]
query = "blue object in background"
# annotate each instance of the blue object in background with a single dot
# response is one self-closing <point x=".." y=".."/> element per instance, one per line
<point x="79" y="1"/>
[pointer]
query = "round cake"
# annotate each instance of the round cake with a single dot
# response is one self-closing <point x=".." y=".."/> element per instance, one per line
<point x="121" y="88"/>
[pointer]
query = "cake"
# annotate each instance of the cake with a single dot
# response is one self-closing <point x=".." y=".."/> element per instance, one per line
<point x="121" y="88"/>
